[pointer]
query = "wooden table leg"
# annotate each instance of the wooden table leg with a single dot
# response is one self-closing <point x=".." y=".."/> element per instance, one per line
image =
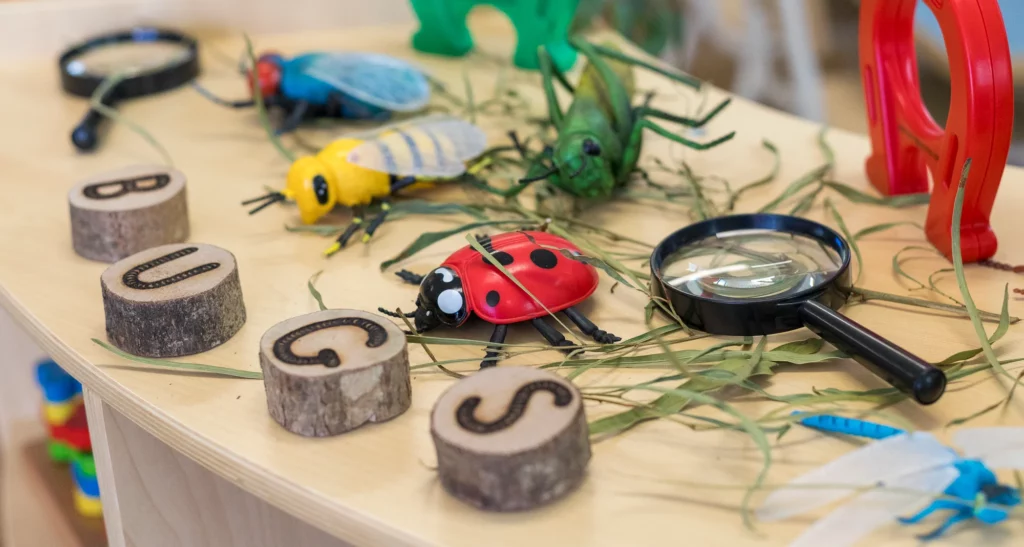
<point x="155" y="496"/>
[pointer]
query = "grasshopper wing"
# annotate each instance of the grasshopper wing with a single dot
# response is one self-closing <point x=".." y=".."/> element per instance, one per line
<point x="378" y="80"/>
<point x="997" y="447"/>
<point x="435" y="146"/>
<point x="857" y="518"/>
<point x="878" y="462"/>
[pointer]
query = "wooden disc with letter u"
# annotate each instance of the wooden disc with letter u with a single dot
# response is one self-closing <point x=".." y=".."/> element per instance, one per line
<point x="510" y="438"/>
<point x="332" y="371"/>
<point x="173" y="300"/>
<point x="119" y="213"/>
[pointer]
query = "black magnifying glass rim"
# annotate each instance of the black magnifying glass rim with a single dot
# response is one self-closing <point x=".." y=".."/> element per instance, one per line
<point x="755" y="316"/>
<point x="154" y="80"/>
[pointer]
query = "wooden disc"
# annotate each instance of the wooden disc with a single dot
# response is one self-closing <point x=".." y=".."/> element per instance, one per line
<point x="332" y="371"/>
<point x="173" y="300"/>
<point x="510" y="438"/>
<point x="119" y="213"/>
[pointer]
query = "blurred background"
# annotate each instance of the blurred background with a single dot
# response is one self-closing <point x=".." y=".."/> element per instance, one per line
<point x="796" y="55"/>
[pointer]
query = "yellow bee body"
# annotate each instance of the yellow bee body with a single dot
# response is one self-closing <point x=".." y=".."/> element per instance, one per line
<point x="355" y="172"/>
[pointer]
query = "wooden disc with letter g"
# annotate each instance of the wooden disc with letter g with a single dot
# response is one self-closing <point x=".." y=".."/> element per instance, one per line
<point x="332" y="371"/>
<point x="510" y="438"/>
<point x="173" y="300"/>
<point x="119" y="213"/>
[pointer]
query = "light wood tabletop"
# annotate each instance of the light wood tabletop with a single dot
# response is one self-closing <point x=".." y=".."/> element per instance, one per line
<point x="376" y="485"/>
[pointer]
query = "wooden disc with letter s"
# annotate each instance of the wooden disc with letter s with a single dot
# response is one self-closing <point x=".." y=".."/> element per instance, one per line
<point x="332" y="371"/>
<point x="119" y="213"/>
<point x="510" y="438"/>
<point x="173" y="300"/>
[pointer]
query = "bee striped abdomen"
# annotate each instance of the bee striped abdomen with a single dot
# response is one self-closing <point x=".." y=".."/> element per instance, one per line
<point x="431" y="148"/>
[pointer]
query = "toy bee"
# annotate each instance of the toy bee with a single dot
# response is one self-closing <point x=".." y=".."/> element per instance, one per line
<point x="357" y="170"/>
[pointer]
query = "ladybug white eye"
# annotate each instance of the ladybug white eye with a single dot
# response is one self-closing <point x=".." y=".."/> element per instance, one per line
<point x="450" y="301"/>
<point x="446" y="275"/>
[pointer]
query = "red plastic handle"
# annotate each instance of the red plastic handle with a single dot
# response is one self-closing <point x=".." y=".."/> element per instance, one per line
<point x="904" y="137"/>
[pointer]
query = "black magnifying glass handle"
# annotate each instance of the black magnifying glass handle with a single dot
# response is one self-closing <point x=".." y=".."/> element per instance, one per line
<point x="903" y="370"/>
<point x="85" y="135"/>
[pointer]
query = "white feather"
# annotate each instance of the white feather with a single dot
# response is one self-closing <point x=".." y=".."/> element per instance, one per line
<point x="879" y="461"/>
<point x="997" y="447"/>
<point x="858" y="518"/>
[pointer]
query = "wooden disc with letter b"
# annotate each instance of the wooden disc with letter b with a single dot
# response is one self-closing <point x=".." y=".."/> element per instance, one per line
<point x="119" y="213"/>
<point x="173" y="300"/>
<point x="332" y="371"/>
<point x="510" y="438"/>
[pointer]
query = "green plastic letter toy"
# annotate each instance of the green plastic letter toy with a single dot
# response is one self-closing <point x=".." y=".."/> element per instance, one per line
<point x="443" y="28"/>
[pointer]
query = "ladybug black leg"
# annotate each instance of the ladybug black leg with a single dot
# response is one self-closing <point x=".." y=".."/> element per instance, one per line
<point x="553" y="337"/>
<point x="294" y="118"/>
<point x="589" y="328"/>
<point x="497" y="337"/>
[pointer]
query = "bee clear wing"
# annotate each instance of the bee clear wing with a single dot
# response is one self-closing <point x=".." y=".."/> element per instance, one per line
<point x="997" y="447"/>
<point x="379" y="80"/>
<point x="434" y="146"/>
<point x="878" y="461"/>
<point x="854" y="520"/>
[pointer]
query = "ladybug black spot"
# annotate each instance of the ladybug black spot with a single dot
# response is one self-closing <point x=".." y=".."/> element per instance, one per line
<point x="493" y="298"/>
<point x="502" y="257"/>
<point x="544" y="258"/>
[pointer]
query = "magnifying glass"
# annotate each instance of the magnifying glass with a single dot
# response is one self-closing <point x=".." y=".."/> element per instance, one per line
<point x="147" y="61"/>
<point x="760" y="274"/>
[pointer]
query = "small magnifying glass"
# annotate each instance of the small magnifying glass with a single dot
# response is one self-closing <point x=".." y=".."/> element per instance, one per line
<point x="148" y="61"/>
<point x="760" y="274"/>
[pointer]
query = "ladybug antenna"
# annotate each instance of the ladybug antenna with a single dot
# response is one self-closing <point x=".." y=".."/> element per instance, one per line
<point x="266" y="199"/>
<point x="223" y="102"/>
<point x="390" y="313"/>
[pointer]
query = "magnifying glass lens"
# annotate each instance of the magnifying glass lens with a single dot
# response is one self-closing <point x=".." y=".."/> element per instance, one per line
<point x="760" y="274"/>
<point x="127" y="58"/>
<point x="751" y="264"/>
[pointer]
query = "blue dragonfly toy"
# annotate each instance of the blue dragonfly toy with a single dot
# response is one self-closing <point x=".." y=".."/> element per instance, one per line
<point x="355" y="86"/>
<point x="898" y="473"/>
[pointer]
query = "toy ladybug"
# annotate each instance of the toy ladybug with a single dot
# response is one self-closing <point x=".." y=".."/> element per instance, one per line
<point x="468" y="283"/>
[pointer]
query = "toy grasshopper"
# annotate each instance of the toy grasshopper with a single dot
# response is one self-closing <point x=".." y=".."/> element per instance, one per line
<point x="601" y="135"/>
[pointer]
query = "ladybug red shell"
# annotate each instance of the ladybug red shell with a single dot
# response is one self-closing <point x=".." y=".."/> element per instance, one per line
<point x="555" y="279"/>
<point x="468" y="283"/>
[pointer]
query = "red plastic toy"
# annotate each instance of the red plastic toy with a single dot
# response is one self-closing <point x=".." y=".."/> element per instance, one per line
<point x="904" y="137"/>
<point x="547" y="265"/>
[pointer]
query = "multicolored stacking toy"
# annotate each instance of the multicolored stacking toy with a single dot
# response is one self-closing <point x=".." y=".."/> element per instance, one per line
<point x="64" y="412"/>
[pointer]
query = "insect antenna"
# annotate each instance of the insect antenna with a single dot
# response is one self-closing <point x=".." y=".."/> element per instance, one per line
<point x="390" y="313"/>
<point x="583" y="165"/>
<point x="267" y="200"/>
<point x="540" y="177"/>
<point x="223" y="102"/>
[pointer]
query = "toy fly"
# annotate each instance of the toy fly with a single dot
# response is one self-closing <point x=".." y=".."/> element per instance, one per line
<point x="356" y="170"/>
<point x="908" y="470"/>
<point x="600" y="136"/>
<point x="356" y="86"/>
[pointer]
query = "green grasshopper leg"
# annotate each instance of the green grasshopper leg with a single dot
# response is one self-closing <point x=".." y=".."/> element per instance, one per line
<point x="632" y="152"/>
<point x="548" y="70"/>
<point x="684" y="79"/>
<point x="645" y="111"/>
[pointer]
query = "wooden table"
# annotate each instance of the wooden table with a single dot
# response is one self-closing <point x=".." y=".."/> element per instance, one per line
<point x="194" y="460"/>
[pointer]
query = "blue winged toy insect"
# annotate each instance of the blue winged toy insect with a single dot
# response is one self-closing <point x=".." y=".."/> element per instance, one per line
<point x="356" y="86"/>
<point x="903" y="472"/>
